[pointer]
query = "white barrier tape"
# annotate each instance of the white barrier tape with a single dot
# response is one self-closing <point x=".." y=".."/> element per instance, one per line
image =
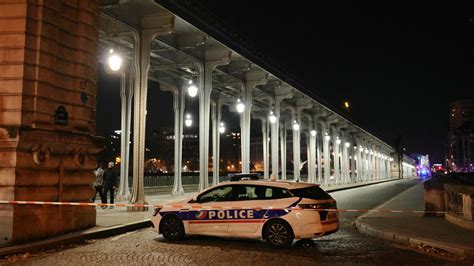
<point x="200" y="207"/>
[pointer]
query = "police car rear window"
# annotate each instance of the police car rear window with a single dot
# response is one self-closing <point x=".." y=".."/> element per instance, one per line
<point x="311" y="193"/>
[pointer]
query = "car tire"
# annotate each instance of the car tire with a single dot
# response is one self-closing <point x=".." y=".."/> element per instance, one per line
<point x="278" y="234"/>
<point x="172" y="228"/>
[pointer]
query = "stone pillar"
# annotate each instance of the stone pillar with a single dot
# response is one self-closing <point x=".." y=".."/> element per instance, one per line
<point x="48" y="73"/>
<point x="126" y="94"/>
<point x="312" y="157"/>
<point x="283" y="150"/>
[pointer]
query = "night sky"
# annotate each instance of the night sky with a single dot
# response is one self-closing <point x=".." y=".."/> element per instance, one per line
<point x="398" y="65"/>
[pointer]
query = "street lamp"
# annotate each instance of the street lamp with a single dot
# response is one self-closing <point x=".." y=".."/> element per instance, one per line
<point x="296" y="126"/>
<point x="347" y="144"/>
<point x="114" y="60"/>
<point x="313" y="132"/>
<point x="240" y="106"/>
<point x="327" y="137"/>
<point x="188" y="121"/>
<point x="272" y="118"/>
<point x="192" y="89"/>
<point x="221" y="128"/>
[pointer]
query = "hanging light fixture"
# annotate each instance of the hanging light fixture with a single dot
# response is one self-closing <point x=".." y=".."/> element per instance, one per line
<point x="221" y="128"/>
<point x="114" y="60"/>
<point x="313" y="132"/>
<point x="327" y="137"/>
<point x="272" y="117"/>
<point x="347" y="144"/>
<point x="338" y="141"/>
<point x="296" y="126"/>
<point x="192" y="89"/>
<point x="240" y="106"/>
<point x="188" y="121"/>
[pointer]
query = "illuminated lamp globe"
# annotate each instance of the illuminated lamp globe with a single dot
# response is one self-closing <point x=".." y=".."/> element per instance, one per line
<point x="313" y="132"/>
<point x="240" y="106"/>
<point x="272" y="118"/>
<point x="188" y="121"/>
<point x="114" y="60"/>
<point x="296" y="126"/>
<point x="221" y="128"/>
<point x="192" y="90"/>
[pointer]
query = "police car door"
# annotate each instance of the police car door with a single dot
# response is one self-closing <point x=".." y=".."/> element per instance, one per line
<point x="211" y="219"/>
<point x="249" y="205"/>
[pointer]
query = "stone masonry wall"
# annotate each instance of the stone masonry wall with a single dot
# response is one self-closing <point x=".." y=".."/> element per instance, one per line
<point x="48" y="73"/>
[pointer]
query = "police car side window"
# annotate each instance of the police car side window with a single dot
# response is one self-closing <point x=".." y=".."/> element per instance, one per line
<point x="249" y="192"/>
<point x="218" y="194"/>
<point x="280" y="193"/>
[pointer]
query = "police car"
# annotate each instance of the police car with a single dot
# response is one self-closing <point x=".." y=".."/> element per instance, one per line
<point x="275" y="211"/>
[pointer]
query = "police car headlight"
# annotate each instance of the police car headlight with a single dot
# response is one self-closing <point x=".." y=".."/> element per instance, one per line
<point x="157" y="210"/>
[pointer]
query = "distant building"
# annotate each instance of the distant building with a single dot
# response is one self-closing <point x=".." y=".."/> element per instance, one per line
<point x="460" y="148"/>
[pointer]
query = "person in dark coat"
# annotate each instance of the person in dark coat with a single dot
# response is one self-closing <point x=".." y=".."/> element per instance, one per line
<point x="97" y="185"/>
<point x="110" y="179"/>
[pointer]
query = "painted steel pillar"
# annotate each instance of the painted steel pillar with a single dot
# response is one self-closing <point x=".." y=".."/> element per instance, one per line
<point x="283" y="150"/>
<point x="336" y="150"/>
<point x="216" y="137"/>
<point x="312" y="157"/>
<point x="327" y="158"/>
<point x="126" y="96"/>
<point x="266" y="161"/>
<point x="141" y="65"/>
<point x="253" y="78"/>
<point x="318" y="157"/>
<point x="345" y="161"/>
<point x="280" y="95"/>
<point x="275" y="128"/>
<point x="213" y="58"/>
<point x="245" y="121"/>
<point x="296" y="153"/>
<point x="353" y="153"/>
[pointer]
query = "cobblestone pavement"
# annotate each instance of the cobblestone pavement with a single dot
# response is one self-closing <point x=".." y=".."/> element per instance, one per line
<point x="145" y="247"/>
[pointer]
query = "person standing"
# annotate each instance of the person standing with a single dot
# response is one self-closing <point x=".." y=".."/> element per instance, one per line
<point x="110" y="180"/>
<point x="99" y="179"/>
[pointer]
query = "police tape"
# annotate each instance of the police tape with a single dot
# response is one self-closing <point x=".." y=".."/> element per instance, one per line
<point x="202" y="207"/>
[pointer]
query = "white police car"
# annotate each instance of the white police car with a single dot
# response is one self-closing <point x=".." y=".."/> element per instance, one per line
<point x="275" y="211"/>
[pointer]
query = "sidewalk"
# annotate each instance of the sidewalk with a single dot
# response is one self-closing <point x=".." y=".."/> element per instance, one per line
<point x="118" y="220"/>
<point x="415" y="230"/>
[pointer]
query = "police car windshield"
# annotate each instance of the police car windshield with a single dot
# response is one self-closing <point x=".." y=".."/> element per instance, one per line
<point x="313" y="192"/>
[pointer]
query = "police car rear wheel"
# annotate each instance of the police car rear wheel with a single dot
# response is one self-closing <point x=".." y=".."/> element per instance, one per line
<point x="172" y="228"/>
<point x="278" y="234"/>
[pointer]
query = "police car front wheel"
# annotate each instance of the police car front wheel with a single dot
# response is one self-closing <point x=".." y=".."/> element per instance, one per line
<point x="278" y="234"/>
<point x="172" y="228"/>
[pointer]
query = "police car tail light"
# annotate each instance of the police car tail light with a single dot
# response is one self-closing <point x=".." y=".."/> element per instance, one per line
<point x="157" y="210"/>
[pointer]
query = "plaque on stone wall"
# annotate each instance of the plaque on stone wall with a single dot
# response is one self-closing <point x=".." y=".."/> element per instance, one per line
<point x="61" y="116"/>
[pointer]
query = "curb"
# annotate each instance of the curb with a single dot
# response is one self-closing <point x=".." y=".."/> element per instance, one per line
<point x="417" y="241"/>
<point x="71" y="238"/>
